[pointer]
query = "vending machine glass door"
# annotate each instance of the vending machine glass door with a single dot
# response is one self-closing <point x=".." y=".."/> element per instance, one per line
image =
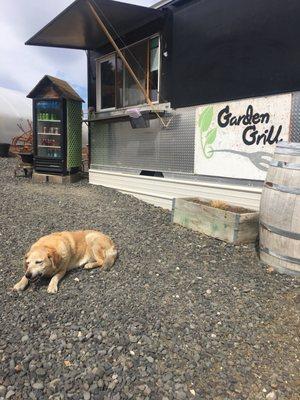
<point x="49" y="129"/>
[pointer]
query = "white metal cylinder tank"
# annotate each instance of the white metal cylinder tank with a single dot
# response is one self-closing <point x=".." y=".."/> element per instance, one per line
<point x="15" y="109"/>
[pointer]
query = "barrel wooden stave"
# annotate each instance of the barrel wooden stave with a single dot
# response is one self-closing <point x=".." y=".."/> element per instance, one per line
<point x="280" y="211"/>
<point x="281" y="266"/>
<point x="277" y="209"/>
<point x="284" y="177"/>
<point x="286" y="246"/>
<point x="296" y="217"/>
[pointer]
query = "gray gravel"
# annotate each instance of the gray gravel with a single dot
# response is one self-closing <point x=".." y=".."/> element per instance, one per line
<point x="180" y="316"/>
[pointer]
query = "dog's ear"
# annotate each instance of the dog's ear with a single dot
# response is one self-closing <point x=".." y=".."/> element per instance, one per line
<point x="54" y="257"/>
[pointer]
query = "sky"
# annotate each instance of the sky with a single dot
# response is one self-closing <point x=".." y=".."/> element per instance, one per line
<point x="21" y="67"/>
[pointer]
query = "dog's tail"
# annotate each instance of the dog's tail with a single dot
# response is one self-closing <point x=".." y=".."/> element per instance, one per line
<point x="110" y="257"/>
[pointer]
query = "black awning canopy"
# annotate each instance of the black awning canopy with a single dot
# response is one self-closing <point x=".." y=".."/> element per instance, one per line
<point x="77" y="28"/>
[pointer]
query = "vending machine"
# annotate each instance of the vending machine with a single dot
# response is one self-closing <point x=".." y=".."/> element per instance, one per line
<point x="57" y="127"/>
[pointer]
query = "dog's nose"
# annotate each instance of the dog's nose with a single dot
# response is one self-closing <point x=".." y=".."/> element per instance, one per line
<point x="28" y="275"/>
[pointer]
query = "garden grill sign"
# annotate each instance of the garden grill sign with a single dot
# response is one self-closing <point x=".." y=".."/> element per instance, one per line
<point x="237" y="139"/>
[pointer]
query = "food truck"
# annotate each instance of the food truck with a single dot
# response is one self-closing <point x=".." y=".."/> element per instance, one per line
<point x="187" y="97"/>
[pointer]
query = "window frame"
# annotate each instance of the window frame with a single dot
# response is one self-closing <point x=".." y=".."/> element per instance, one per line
<point x="112" y="55"/>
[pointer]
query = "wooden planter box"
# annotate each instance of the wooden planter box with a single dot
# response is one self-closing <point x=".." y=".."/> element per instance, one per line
<point x="233" y="224"/>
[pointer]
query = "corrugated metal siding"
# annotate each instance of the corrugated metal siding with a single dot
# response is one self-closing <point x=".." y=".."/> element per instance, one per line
<point x="116" y="144"/>
<point x="160" y="192"/>
<point x="295" y="118"/>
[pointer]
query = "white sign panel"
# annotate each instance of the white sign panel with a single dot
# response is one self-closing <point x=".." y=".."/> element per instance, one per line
<point x="237" y="139"/>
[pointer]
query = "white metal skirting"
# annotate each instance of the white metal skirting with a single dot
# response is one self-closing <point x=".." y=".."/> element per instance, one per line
<point x="161" y="191"/>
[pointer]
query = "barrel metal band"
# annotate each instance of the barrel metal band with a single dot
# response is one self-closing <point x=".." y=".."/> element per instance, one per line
<point x="288" y="145"/>
<point x="280" y="257"/>
<point x="282" y="188"/>
<point x="285" y="151"/>
<point x="281" y="232"/>
<point x="285" y="165"/>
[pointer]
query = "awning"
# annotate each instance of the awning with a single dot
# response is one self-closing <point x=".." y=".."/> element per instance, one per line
<point x="76" y="28"/>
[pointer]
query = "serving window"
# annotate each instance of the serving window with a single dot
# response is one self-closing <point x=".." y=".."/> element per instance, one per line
<point x="107" y="78"/>
<point x="115" y="86"/>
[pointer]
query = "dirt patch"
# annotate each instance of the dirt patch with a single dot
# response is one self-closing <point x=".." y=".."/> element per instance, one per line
<point x="223" y="206"/>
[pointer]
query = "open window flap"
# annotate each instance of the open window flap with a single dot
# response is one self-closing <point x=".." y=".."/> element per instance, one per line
<point x="76" y="27"/>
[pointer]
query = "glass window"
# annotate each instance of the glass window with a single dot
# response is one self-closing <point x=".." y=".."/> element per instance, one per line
<point x="108" y="84"/>
<point x="116" y="86"/>
<point x="137" y="58"/>
<point x="49" y="129"/>
<point x="154" y="63"/>
<point x="119" y="83"/>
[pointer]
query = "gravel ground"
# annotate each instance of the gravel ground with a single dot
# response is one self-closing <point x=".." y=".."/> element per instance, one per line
<point x="180" y="315"/>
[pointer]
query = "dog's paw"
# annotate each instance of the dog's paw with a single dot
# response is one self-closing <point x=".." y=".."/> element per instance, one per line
<point x="18" y="287"/>
<point x="52" y="289"/>
<point x="91" y="265"/>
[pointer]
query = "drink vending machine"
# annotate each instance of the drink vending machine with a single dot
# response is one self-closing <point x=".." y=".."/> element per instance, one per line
<point x="57" y="127"/>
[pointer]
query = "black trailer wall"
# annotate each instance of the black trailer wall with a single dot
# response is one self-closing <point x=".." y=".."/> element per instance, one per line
<point x="222" y="50"/>
<point x="230" y="49"/>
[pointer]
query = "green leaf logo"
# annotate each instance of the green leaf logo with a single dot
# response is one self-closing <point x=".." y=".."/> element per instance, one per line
<point x="207" y="139"/>
<point x="205" y="119"/>
<point x="211" y="136"/>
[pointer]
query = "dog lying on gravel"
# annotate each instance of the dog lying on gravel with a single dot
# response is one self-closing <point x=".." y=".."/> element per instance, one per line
<point x="53" y="255"/>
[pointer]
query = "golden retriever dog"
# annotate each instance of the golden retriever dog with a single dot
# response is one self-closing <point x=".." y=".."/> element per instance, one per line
<point x="53" y="255"/>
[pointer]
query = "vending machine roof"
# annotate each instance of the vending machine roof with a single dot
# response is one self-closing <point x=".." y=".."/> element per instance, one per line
<point x="60" y="86"/>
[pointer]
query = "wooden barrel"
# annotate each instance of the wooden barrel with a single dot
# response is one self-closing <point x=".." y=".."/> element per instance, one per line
<point x="280" y="211"/>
